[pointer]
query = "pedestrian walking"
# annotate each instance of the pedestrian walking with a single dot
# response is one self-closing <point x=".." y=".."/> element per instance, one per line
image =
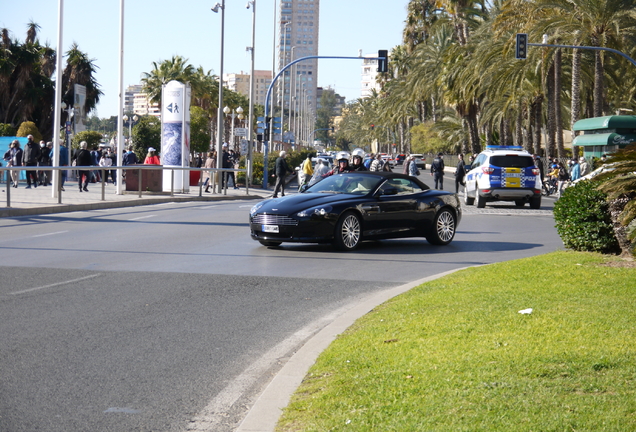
<point x="281" y="170"/>
<point x="437" y="171"/>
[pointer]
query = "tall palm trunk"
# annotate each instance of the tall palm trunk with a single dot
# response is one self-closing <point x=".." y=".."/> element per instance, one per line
<point x="598" y="85"/>
<point x="537" y="107"/>
<point x="558" y="125"/>
<point x="576" y="95"/>
<point x="551" y="126"/>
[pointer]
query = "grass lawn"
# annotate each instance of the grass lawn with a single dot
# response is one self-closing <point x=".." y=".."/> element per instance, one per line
<point x="455" y="354"/>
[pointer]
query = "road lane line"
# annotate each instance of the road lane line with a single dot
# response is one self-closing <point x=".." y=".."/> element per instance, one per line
<point x="55" y="284"/>
<point x="50" y="234"/>
<point x="141" y="217"/>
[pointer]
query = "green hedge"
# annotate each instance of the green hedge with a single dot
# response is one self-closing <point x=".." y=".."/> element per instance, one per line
<point x="583" y="220"/>
<point x="294" y="159"/>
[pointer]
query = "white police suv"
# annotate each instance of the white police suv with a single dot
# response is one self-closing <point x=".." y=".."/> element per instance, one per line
<point x="503" y="173"/>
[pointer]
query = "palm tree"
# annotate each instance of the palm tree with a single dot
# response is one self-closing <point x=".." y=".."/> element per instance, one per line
<point x="80" y="69"/>
<point x="620" y="186"/>
<point x="176" y="69"/>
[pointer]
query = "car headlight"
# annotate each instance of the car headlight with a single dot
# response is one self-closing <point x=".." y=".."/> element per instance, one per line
<point x="254" y="209"/>
<point x="315" y="211"/>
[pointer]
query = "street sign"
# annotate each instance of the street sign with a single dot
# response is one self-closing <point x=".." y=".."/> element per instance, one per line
<point x="240" y="132"/>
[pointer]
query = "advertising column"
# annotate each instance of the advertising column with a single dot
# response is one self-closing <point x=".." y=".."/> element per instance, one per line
<point x="175" y="135"/>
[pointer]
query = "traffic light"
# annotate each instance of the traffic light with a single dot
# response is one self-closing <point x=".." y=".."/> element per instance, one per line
<point x="521" y="51"/>
<point x="383" y="61"/>
<point x="268" y="125"/>
<point x="371" y="127"/>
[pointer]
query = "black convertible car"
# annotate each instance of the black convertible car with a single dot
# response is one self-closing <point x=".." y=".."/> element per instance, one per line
<point x="345" y="209"/>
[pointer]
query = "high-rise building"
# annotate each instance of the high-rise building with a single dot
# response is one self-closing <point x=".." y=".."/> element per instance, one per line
<point x="369" y="76"/>
<point x="240" y="83"/>
<point x="299" y="30"/>
<point x="129" y="97"/>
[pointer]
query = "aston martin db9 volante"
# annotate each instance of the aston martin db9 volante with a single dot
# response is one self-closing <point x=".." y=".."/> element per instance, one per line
<point x="346" y="209"/>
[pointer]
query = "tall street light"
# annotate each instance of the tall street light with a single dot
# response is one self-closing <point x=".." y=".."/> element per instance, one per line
<point x="234" y="113"/>
<point x="250" y="117"/>
<point x="282" y="65"/>
<point x="131" y="121"/>
<point x="219" y="117"/>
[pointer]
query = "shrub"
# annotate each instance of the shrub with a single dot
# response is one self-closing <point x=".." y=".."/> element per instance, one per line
<point x="92" y="138"/>
<point x="28" y="128"/>
<point x="583" y="220"/>
<point x="7" y="130"/>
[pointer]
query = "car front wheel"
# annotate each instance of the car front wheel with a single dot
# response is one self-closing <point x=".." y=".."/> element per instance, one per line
<point x="348" y="232"/>
<point x="443" y="229"/>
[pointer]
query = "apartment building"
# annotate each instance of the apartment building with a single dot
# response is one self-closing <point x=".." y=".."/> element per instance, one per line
<point x="299" y="22"/>
<point x="369" y="75"/>
<point x="240" y="83"/>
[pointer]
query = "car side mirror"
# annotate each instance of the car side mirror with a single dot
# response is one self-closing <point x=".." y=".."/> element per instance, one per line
<point x="389" y="191"/>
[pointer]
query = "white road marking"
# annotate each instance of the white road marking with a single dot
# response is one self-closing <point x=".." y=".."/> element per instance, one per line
<point x="50" y="234"/>
<point x="142" y="217"/>
<point x="55" y="284"/>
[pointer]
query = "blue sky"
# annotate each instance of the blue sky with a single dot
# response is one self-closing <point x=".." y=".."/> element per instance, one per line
<point x="155" y="30"/>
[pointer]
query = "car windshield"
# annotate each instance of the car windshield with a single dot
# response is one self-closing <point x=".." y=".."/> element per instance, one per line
<point x="512" y="161"/>
<point x="346" y="183"/>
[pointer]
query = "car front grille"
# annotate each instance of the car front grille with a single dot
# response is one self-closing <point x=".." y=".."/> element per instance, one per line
<point x="266" y="219"/>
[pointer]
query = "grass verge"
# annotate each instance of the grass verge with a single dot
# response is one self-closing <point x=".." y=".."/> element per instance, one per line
<point x="456" y="354"/>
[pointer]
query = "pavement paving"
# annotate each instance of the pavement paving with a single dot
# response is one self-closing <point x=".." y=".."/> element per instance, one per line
<point x="39" y="200"/>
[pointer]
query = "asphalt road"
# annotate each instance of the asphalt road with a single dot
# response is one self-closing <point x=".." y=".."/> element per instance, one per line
<point x="140" y="318"/>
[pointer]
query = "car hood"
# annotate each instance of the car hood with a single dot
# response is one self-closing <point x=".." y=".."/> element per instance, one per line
<point x="303" y="201"/>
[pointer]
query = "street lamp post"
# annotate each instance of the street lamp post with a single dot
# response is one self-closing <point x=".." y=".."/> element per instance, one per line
<point x="131" y="121"/>
<point x="283" y="64"/>
<point x="233" y="113"/>
<point x="250" y="118"/>
<point x="219" y="117"/>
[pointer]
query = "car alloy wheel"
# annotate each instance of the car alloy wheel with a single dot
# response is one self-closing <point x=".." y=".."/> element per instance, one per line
<point x="443" y="230"/>
<point x="348" y="232"/>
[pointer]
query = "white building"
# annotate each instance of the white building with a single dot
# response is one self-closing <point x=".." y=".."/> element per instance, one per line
<point x="369" y="75"/>
<point x="240" y="83"/>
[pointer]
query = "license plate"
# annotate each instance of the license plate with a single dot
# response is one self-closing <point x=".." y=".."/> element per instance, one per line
<point x="513" y="175"/>
<point x="270" y="228"/>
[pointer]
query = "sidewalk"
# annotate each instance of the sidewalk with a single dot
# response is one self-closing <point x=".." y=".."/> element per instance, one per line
<point x="38" y="201"/>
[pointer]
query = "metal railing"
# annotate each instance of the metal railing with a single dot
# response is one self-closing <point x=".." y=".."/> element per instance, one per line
<point x="5" y="171"/>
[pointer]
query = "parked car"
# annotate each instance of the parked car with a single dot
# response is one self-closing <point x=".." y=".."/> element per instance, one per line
<point x="503" y="173"/>
<point x="420" y="160"/>
<point x="346" y="209"/>
<point x="399" y="159"/>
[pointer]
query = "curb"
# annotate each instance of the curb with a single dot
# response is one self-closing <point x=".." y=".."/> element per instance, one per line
<point x="264" y="414"/>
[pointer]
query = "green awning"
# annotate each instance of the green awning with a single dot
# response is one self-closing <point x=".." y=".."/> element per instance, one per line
<point x="604" y="139"/>
<point x="607" y="122"/>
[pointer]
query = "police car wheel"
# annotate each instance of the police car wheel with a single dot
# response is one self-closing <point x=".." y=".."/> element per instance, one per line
<point x="520" y="203"/>
<point x="480" y="202"/>
<point x="535" y="203"/>
<point x="467" y="199"/>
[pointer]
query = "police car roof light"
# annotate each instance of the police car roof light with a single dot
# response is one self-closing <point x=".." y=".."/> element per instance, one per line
<point x="503" y="147"/>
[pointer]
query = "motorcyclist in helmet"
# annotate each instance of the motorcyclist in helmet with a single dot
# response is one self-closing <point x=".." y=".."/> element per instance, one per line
<point x="357" y="157"/>
<point x="342" y="166"/>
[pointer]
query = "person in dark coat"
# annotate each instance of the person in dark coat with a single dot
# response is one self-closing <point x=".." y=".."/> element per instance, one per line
<point x="437" y="171"/>
<point x="83" y="159"/>
<point x="460" y="172"/>
<point x="30" y="158"/>
<point x="282" y="168"/>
